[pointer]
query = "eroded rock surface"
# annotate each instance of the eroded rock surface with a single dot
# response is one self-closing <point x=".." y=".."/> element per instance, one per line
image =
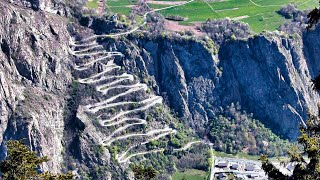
<point x="34" y="76"/>
<point x="269" y="75"/>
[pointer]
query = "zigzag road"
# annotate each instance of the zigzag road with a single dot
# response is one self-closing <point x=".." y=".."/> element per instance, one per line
<point x="92" y="53"/>
<point x="114" y="81"/>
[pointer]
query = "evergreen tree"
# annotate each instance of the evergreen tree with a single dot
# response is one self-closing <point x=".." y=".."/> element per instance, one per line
<point x="304" y="169"/>
<point x="141" y="173"/>
<point x="23" y="164"/>
<point x="310" y="141"/>
<point x="314" y="17"/>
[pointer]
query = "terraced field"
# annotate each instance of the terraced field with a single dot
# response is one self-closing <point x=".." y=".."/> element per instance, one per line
<point x="259" y="14"/>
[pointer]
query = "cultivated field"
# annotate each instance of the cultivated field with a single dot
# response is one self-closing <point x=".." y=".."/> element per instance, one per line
<point x="260" y="14"/>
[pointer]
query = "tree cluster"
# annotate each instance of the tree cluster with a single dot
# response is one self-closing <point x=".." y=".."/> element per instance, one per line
<point x="23" y="164"/>
<point x="289" y="11"/>
<point x="236" y="131"/>
<point x="143" y="173"/>
<point x="313" y="17"/>
<point x="193" y="161"/>
<point x="222" y="29"/>
<point x="298" y="18"/>
<point x="306" y="160"/>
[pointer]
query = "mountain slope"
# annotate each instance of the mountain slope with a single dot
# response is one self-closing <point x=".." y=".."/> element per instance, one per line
<point x="42" y="87"/>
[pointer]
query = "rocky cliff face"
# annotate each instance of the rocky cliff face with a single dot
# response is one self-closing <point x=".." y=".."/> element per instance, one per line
<point x="177" y="66"/>
<point x="34" y="74"/>
<point x="35" y="4"/>
<point x="38" y="101"/>
<point x="57" y="7"/>
<point x="268" y="75"/>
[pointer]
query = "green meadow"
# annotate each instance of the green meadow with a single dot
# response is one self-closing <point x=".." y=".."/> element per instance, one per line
<point x="259" y="14"/>
<point x="191" y="174"/>
<point x="122" y="7"/>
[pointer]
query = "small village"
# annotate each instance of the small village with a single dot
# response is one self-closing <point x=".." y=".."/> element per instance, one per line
<point x="243" y="169"/>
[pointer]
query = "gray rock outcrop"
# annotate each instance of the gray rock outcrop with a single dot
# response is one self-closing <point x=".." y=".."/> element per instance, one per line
<point x="34" y="74"/>
<point x="269" y="75"/>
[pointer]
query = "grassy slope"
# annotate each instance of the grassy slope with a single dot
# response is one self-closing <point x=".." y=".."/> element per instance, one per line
<point x="116" y="6"/>
<point x="92" y="4"/>
<point x="190" y="174"/>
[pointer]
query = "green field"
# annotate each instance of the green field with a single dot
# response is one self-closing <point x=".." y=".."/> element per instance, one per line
<point x="259" y="14"/>
<point x="92" y="4"/>
<point x="115" y="6"/>
<point x="191" y="174"/>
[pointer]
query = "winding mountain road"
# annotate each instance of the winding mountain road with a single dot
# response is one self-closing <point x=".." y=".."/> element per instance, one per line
<point x="110" y="79"/>
<point x="89" y="52"/>
<point x="130" y="31"/>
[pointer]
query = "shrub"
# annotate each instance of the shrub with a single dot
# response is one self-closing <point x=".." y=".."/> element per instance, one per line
<point x="21" y="163"/>
<point x="175" y="143"/>
<point x="288" y="11"/>
<point x="221" y="30"/>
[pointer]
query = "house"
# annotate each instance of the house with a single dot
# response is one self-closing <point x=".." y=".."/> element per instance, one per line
<point x="241" y="176"/>
<point x="222" y="164"/>
<point x="222" y="176"/>
<point x="234" y="166"/>
<point x="253" y="176"/>
<point x="249" y="167"/>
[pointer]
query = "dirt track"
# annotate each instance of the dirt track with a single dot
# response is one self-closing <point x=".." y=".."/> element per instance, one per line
<point x="167" y="2"/>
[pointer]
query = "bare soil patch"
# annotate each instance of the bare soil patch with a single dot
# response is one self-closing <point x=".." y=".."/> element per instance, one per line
<point x="232" y="9"/>
<point x="175" y="26"/>
<point x="240" y="17"/>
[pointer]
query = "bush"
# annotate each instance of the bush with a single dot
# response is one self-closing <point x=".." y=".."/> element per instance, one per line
<point x="143" y="173"/>
<point x="233" y="37"/>
<point x="221" y="30"/>
<point x="21" y="163"/>
<point x="175" y="143"/>
<point x="235" y="131"/>
<point x="288" y="11"/>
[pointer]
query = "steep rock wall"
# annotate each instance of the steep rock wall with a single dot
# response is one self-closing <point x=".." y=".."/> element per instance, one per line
<point x="176" y="65"/>
<point x="34" y="74"/>
<point x="268" y="75"/>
